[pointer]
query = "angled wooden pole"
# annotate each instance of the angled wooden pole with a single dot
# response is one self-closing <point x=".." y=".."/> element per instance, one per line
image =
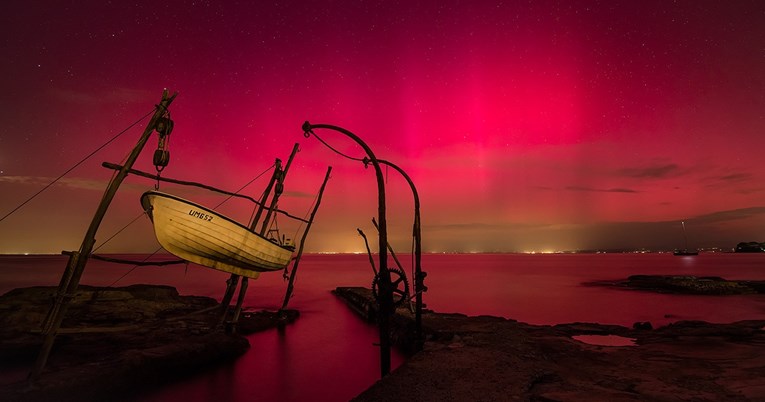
<point x="71" y="279"/>
<point x="277" y="185"/>
<point x="291" y="284"/>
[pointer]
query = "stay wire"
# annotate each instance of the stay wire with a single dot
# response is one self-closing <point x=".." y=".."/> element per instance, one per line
<point x="364" y="160"/>
<point x="261" y="194"/>
<point x="74" y="167"/>
<point x="306" y="215"/>
<point x="118" y="232"/>
<point x="245" y="186"/>
<point x="134" y="267"/>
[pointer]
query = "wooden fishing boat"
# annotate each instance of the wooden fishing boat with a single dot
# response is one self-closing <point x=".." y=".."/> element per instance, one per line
<point x="202" y="236"/>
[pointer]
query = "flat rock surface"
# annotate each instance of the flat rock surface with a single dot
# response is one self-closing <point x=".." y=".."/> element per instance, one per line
<point x="115" y="341"/>
<point x="494" y="359"/>
<point x="686" y="284"/>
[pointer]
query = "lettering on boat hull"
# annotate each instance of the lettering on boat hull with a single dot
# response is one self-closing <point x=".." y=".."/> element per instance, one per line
<point x="200" y="215"/>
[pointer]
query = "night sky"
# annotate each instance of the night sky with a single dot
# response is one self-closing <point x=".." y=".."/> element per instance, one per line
<point x="526" y="126"/>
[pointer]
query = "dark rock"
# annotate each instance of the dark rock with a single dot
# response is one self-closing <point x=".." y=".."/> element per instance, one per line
<point x="116" y="341"/>
<point x="642" y="325"/>
<point x="750" y="247"/>
<point x="684" y="284"/>
<point x="495" y="359"/>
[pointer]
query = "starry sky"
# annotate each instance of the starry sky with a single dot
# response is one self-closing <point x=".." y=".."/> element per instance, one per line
<point x="525" y="125"/>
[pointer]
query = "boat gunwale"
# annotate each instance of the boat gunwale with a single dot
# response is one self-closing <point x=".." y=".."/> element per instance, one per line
<point x="146" y="195"/>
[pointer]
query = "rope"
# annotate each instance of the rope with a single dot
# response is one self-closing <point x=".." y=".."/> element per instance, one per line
<point x="364" y="160"/>
<point x="245" y="186"/>
<point x="305" y="217"/>
<point x="118" y="232"/>
<point x="138" y="263"/>
<point x="74" y="167"/>
<point x="133" y="269"/>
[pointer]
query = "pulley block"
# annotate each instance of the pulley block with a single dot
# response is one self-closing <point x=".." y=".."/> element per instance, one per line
<point x="164" y="126"/>
<point x="161" y="157"/>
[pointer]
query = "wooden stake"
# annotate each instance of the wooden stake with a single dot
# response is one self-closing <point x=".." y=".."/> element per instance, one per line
<point x="71" y="278"/>
<point x="291" y="283"/>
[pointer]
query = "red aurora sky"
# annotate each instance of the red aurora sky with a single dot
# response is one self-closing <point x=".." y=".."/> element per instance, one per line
<point x="526" y="126"/>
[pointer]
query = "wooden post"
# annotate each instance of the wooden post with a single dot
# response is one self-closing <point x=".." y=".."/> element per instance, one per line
<point x="60" y="293"/>
<point x="266" y="193"/>
<point x="71" y="284"/>
<point x="386" y="293"/>
<point x="278" y="191"/>
<point x="234" y="278"/>
<point x="290" y="285"/>
<point x="419" y="274"/>
<point x="278" y="180"/>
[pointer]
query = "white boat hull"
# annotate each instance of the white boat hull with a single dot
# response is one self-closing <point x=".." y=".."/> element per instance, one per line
<point x="199" y="235"/>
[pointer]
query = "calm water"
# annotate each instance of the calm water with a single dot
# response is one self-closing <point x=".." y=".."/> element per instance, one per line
<point x="329" y="354"/>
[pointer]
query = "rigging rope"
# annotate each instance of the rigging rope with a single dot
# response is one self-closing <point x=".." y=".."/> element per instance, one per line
<point x="305" y="217"/>
<point x="137" y="263"/>
<point x="136" y="266"/>
<point x="364" y="160"/>
<point x="74" y="167"/>
<point x="118" y="232"/>
<point x="245" y="186"/>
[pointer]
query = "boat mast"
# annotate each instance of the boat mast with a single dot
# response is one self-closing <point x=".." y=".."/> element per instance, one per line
<point x="291" y="284"/>
<point x="277" y="180"/>
<point x="266" y="193"/>
<point x="278" y="192"/>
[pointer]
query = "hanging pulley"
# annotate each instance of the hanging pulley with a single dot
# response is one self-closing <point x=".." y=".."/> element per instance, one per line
<point x="161" y="158"/>
<point x="164" y="127"/>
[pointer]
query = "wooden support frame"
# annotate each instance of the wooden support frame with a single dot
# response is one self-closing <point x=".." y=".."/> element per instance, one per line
<point x="76" y="266"/>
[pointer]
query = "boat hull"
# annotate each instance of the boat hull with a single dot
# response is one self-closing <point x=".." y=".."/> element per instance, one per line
<point x="199" y="235"/>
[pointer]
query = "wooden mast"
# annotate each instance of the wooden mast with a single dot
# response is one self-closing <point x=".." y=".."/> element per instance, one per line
<point x="290" y="286"/>
<point x="278" y="191"/>
<point x="277" y="180"/>
<point x="76" y="266"/>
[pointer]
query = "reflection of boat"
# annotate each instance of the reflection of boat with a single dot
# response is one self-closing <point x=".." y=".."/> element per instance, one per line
<point x="202" y="236"/>
<point x="685" y="251"/>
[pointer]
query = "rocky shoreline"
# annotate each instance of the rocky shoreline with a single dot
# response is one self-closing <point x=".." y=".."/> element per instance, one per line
<point x="490" y="358"/>
<point x="686" y="284"/>
<point x="116" y="342"/>
<point x="119" y="342"/>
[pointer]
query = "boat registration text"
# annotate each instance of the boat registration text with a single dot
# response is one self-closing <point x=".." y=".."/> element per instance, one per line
<point x="200" y="215"/>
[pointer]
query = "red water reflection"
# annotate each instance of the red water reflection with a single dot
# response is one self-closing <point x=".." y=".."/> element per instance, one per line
<point x="328" y="354"/>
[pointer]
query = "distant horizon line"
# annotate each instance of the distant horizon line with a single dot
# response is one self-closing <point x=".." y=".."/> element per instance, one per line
<point x="533" y="252"/>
